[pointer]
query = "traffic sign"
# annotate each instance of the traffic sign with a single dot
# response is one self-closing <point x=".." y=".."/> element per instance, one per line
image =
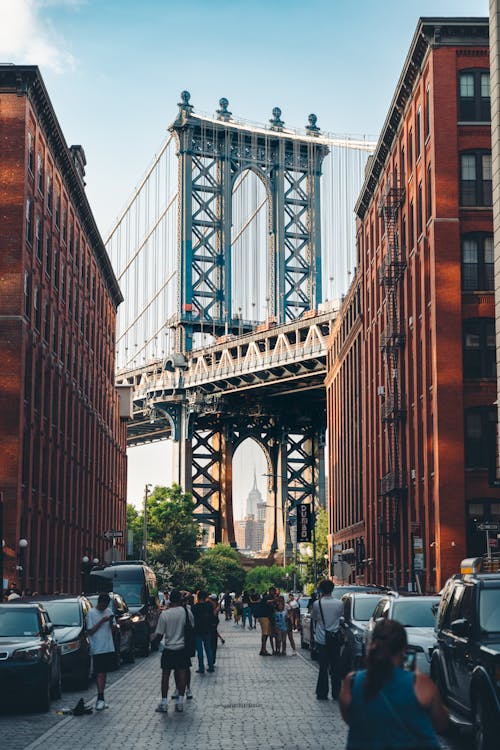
<point x="113" y="534"/>
<point x="489" y="526"/>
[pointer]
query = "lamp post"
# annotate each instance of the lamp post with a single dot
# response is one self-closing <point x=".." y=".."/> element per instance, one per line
<point x="145" y="523"/>
<point x="22" y="544"/>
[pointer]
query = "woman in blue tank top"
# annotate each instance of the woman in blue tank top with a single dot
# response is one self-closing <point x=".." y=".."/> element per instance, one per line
<point x="386" y="707"/>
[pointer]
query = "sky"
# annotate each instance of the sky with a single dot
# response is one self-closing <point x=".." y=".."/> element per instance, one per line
<point x="114" y="70"/>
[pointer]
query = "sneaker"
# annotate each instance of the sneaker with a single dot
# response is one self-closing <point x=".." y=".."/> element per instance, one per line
<point x="179" y="706"/>
<point x="100" y="705"/>
<point x="294" y="653"/>
<point x="175" y="695"/>
<point x="189" y="695"/>
<point x="211" y="669"/>
<point x="200" y="671"/>
<point x="161" y="708"/>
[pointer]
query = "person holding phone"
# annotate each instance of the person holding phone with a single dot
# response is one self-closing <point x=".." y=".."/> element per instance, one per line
<point x="388" y="706"/>
<point x="99" y="623"/>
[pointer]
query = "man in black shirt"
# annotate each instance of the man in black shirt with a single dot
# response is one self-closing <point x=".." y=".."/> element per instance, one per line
<point x="203" y="613"/>
<point x="267" y="609"/>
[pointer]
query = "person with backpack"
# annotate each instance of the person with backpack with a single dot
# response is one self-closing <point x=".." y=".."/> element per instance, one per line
<point x="327" y="613"/>
<point x="175" y="625"/>
<point x="204" y="617"/>
<point x="387" y="706"/>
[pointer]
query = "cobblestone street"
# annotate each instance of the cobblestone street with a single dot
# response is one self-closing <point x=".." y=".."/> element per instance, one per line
<point x="248" y="703"/>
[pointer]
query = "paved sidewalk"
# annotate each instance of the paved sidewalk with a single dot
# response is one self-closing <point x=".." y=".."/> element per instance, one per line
<point x="250" y="702"/>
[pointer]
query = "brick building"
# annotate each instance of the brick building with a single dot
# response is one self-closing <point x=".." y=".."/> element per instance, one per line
<point x="62" y="442"/>
<point x="419" y="323"/>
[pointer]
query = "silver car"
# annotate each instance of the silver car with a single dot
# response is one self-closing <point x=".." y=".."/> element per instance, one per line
<point x="358" y="608"/>
<point x="417" y="614"/>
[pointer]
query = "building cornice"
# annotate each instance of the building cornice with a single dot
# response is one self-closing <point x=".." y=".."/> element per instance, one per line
<point x="26" y="80"/>
<point x="430" y="33"/>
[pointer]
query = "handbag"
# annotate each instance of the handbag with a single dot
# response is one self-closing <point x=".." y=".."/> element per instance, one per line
<point x="331" y="637"/>
<point x="189" y="636"/>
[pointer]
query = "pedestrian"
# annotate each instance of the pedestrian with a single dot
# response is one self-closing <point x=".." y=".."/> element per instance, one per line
<point x="247" y="614"/>
<point x="326" y="613"/>
<point x="290" y="625"/>
<point x="266" y="621"/>
<point x="227" y="605"/>
<point x="293" y="608"/>
<point x="99" y="624"/>
<point x="386" y="706"/>
<point x="237" y="609"/>
<point x="254" y="604"/>
<point x="172" y="626"/>
<point x="280" y="617"/>
<point x="203" y="613"/>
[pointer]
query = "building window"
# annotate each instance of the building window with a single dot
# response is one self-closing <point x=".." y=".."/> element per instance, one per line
<point x="410" y="150"/>
<point x="64" y="225"/>
<point x="418" y="132"/>
<point x="419" y="210"/>
<point x="27" y="294"/>
<point x="56" y="268"/>
<point x="39" y="168"/>
<point x="411" y="226"/>
<point x="29" y="221"/>
<point x="36" y="306"/>
<point x="479" y="348"/>
<point x="429" y="192"/>
<point x="63" y="282"/>
<point x="49" y="194"/>
<point x="427" y="112"/>
<point x="57" y="215"/>
<point x="31" y="156"/>
<point x="46" y="329"/>
<point x="477" y="262"/>
<point x="403" y="166"/>
<point x="48" y="256"/>
<point x="475" y="179"/>
<point x="474" y="96"/>
<point x="38" y="238"/>
<point x="480" y="434"/>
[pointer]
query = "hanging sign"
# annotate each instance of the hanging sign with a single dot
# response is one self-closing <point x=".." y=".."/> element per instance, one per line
<point x="304" y="522"/>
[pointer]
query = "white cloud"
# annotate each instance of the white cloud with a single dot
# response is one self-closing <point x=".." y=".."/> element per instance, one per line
<point x="28" y="38"/>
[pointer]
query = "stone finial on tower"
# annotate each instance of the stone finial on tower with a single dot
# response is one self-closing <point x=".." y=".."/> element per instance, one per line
<point x="223" y="113"/>
<point x="312" y="128"/>
<point x="185" y="108"/>
<point x="276" y="121"/>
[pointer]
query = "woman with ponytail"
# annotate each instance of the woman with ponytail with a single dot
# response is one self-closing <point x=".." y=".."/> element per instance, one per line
<point x="387" y="707"/>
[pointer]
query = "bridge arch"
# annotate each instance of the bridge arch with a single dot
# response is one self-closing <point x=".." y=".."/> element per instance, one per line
<point x="252" y="507"/>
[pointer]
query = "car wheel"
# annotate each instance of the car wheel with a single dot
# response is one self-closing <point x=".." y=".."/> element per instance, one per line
<point x="483" y="725"/>
<point x="41" y="698"/>
<point x="437" y="677"/>
<point x="55" y="690"/>
<point x="82" y="681"/>
<point x="145" y="649"/>
<point x="303" y="644"/>
<point x="130" y="654"/>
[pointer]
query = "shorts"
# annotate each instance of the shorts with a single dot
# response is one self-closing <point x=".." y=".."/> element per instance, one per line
<point x="175" y="659"/>
<point x="265" y="625"/>
<point x="103" y="663"/>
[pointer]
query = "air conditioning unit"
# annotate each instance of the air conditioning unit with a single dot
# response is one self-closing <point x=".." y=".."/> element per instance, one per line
<point x="380" y="390"/>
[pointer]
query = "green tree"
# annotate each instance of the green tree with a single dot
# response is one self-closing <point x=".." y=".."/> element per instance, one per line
<point x="307" y="561"/>
<point x="134" y="524"/>
<point x="222" y="569"/>
<point x="264" y="576"/>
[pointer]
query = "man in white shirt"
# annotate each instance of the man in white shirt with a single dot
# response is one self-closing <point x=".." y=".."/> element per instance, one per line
<point x="102" y="646"/>
<point x="171" y="627"/>
<point x="327" y="613"/>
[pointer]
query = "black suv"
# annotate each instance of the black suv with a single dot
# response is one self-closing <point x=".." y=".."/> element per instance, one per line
<point x="466" y="661"/>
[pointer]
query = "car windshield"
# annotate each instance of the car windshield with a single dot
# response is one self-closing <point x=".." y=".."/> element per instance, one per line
<point x="64" y="614"/>
<point x="489" y="610"/>
<point x="414" y="613"/>
<point x="132" y="592"/>
<point x="18" y="623"/>
<point x="363" y="608"/>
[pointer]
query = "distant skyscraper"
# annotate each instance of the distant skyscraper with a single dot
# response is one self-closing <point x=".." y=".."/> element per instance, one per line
<point x="250" y="530"/>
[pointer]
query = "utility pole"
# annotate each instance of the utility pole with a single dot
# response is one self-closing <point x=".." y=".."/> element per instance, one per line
<point x="145" y="524"/>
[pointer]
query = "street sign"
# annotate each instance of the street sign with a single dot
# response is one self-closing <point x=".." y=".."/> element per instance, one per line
<point x="489" y="526"/>
<point x="113" y="534"/>
<point x="303" y="522"/>
<point x="493" y="543"/>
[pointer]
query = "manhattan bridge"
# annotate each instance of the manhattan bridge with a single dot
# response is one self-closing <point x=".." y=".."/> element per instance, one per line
<point x="232" y="254"/>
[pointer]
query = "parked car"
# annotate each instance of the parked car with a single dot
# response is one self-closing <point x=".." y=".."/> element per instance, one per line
<point x="466" y="661"/>
<point x="30" y="658"/>
<point x="358" y="608"/>
<point x="136" y="583"/>
<point x="67" y="614"/>
<point x="418" y="616"/>
<point x="123" y="633"/>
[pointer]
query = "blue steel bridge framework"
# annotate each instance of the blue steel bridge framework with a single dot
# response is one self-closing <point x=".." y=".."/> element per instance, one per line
<point x="226" y="320"/>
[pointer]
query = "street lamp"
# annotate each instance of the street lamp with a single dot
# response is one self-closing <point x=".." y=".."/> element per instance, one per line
<point x="22" y="544"/>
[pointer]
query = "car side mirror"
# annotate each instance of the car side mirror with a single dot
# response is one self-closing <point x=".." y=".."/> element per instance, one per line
<point x="48" y="628"/>
<point x="461" y="628"/>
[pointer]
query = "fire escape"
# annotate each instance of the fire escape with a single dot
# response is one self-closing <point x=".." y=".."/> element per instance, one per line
<point x="393" y="484"/>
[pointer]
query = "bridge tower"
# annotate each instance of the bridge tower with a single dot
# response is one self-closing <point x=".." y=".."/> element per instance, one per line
<point x="213" y="153"/>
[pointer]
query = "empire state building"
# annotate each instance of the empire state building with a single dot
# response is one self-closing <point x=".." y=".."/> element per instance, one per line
<point x="250" y="530"/>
